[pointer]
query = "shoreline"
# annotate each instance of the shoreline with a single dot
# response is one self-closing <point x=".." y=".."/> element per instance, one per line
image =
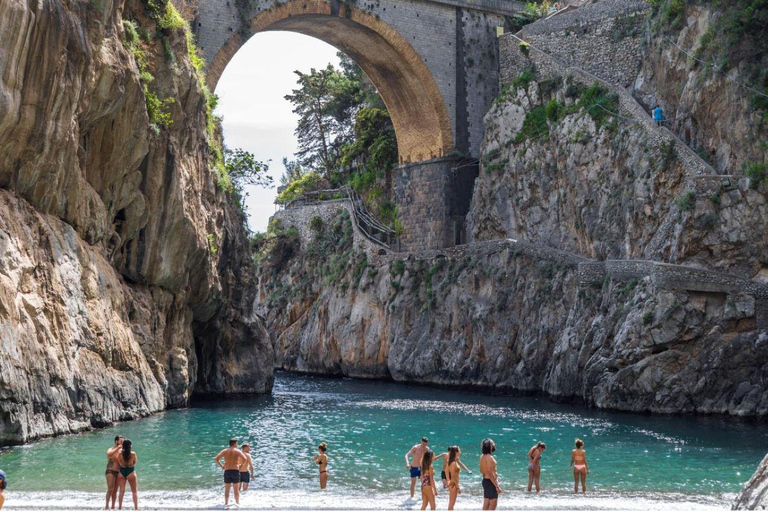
<point x="336" y="500"/>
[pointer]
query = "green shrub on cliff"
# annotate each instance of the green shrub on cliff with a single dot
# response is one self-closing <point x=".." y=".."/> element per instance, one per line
<point x="159" y="110"/>
<point x="171" y="19"/>
<point x="687" y="201"/>
<point x="535" y="126"/>
<point x="296" y="188"/>
<point x="756" y="172"/>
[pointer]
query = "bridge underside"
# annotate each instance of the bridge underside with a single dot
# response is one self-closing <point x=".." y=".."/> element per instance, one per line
<point x="419" y="114"/>
<point x="435" y="64"/>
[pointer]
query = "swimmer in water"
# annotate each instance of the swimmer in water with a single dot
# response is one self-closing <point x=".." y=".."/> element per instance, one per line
<point x="580" y="467"/>
<point x="321" y="459"/>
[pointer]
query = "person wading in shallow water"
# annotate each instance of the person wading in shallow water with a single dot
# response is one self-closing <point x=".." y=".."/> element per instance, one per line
<point x="233" y="460"/>
<point x="580" y="467"/>
<point x="113" y="471"/>
<point x="444" y="473"/>
<point x="454" y="468"/>
<point x="428" y="487"/>
<point x="534" y="465"/>
<point x="127" y="459"/>
<point x="245" y="476"/>
<point x="321" y="459"/>
<point x="491" y="489"/>
<point x="2" y="487"/>
<point x="414" y="466"/>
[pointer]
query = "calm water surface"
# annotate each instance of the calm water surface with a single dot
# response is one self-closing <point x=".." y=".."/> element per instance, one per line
<point x="636" y="461"/>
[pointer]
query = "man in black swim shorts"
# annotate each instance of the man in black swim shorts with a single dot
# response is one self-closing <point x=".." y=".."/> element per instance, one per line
<point x="246" y="469"/>
<point x="491" y="488"/>
<point x="233" y="460"/>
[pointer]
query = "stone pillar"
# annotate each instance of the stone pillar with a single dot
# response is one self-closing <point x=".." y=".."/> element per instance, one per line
<point x="423" y="198"/>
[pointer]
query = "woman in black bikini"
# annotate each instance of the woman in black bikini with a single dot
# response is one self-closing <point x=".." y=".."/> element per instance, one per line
<point x="113" y="471"/>
<point x="127" y="460"/>
<point x="534" y="465"/>
<point x="322" y="462"/>
<point x="428" y="487"/>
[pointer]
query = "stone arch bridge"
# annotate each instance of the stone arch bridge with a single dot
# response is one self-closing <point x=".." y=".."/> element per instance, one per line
<point x="435" y="64"/>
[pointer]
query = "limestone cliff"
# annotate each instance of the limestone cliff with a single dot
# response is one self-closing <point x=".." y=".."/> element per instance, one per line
<point x="121" y="259"/>
<point x="633" y="280"/>
<point x="510" y="315"/>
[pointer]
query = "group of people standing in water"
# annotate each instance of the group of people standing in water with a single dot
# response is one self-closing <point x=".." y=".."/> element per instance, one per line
<point x="420" y="459"/>
<point x="237" y="464"/>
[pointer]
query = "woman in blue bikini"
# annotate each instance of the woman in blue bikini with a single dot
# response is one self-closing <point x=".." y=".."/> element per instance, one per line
<point x="127" y="460"/>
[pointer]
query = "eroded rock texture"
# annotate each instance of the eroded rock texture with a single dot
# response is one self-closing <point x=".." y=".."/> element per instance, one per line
<point x="121" y="261"/>
<point x="510" y="315"/>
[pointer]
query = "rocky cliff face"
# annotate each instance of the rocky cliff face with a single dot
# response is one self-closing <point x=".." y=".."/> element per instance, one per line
<point x="509" y="315"/>
<point x="572" y="170"/>
<point x="121" y="260"/>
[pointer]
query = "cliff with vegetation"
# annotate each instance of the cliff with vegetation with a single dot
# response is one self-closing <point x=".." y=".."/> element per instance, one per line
<point x="613" y="262"/>
<point x="122" y="247"/>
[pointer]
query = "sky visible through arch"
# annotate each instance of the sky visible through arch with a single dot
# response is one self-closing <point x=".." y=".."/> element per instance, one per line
<point x="256" y="117"/>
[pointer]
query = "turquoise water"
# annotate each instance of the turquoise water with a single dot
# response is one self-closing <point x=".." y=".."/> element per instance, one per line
<point x="634" y="459"/>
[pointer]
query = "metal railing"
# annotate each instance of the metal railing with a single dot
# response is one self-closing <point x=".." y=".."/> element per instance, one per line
<point x="367" y="224"/>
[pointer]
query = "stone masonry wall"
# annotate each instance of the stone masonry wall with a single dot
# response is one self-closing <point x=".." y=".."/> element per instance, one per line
<point x="422" y="195"/>
<point x="602" y="38"/>
<point x="300" y="217"/>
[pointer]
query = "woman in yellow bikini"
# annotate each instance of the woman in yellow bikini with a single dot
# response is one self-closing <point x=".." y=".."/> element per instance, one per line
<point x="454" y="468"/>
<point x="580" y="468"/>
<point x="322" y="462"/>
<point x="127" y="460"/>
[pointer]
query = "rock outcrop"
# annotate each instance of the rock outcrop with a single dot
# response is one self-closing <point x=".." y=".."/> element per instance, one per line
<point x="573" y="171"/>
<point x="509" y="315"/>
<point x="122" y="262"/>
<point x="752" y="496"/>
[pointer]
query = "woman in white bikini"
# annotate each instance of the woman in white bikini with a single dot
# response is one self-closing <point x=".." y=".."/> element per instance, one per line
<point x="580" y="468"/>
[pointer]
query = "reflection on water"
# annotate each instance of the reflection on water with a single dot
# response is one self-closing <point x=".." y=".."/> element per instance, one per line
<point x="634" y="459"/>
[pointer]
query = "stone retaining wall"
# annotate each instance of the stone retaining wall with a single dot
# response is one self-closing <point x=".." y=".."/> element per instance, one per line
<point x="602" y="38"/>
<point x="671" y="277"/>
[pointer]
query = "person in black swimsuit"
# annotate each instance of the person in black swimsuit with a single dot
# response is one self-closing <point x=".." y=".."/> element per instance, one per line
<point x="321" y="459"/>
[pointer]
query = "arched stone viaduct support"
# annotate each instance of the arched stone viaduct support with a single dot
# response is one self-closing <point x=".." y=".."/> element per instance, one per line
<point x="434" y="63"/>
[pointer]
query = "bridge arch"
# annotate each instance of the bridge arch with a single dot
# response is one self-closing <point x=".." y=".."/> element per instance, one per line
<point x="419" y="115"/>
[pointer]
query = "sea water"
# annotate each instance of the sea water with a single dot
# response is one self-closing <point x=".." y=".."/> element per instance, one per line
<point x="637" y="462"/>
